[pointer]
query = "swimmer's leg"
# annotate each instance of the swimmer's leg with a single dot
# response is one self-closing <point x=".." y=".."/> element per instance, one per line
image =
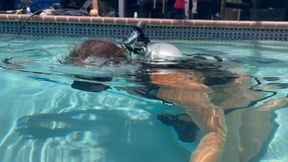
<point x="212" y="143"/>
<point x="208" y="117"/>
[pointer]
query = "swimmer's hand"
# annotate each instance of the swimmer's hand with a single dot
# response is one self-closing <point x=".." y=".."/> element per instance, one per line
<point x="94" y="12"/>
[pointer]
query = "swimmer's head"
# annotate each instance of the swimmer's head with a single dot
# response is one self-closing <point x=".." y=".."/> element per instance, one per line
<point x="157" y="53"/>
<point x="98" y="49"/>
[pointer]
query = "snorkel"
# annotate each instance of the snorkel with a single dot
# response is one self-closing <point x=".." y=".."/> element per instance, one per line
<point x="138" y="41"/>
<point x="152" y="53"/>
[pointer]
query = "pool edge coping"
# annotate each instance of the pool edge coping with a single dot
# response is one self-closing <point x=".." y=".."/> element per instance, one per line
<point x="148" y="21"/>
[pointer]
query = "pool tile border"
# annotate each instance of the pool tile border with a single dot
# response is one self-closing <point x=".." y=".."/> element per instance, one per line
<point x="157" y="28"/>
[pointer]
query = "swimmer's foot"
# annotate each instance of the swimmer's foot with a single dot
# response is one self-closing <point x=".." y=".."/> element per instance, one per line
<point x="185" y="128"/>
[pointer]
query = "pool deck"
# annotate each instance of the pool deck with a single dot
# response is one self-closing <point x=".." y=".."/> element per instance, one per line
<point x="153" y="22"/>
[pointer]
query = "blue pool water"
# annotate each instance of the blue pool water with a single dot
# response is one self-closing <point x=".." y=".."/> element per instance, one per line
<point x="43" y="118"/>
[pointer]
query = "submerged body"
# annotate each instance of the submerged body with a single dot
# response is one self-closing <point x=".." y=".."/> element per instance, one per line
<point x="195" y="86"/>
<point x="250" y="132"/>
<point x="184" y="87"/>
<point x="204" y="91"/>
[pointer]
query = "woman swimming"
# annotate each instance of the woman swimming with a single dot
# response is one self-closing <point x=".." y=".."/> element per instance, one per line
<point x="190" y="84"/>
<point x="186" y="87"/>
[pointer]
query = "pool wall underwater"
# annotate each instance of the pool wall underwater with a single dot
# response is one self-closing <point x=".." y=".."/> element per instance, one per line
<point x="156" y="28"/>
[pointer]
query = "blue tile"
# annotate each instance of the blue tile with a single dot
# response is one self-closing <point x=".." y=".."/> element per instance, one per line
<point x="155" y="32"/>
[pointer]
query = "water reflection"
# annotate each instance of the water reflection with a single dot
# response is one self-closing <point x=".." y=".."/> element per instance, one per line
<point x="100" y="135"/>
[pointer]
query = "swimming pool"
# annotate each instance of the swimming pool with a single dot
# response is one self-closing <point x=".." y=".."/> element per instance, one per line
<point x="44" y="118"/>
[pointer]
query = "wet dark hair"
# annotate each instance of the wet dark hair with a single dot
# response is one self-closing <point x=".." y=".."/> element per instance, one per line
<point x="98" y="48"/>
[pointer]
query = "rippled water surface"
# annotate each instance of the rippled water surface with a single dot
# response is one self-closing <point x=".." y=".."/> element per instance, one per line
<point x="50" y="112"/>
